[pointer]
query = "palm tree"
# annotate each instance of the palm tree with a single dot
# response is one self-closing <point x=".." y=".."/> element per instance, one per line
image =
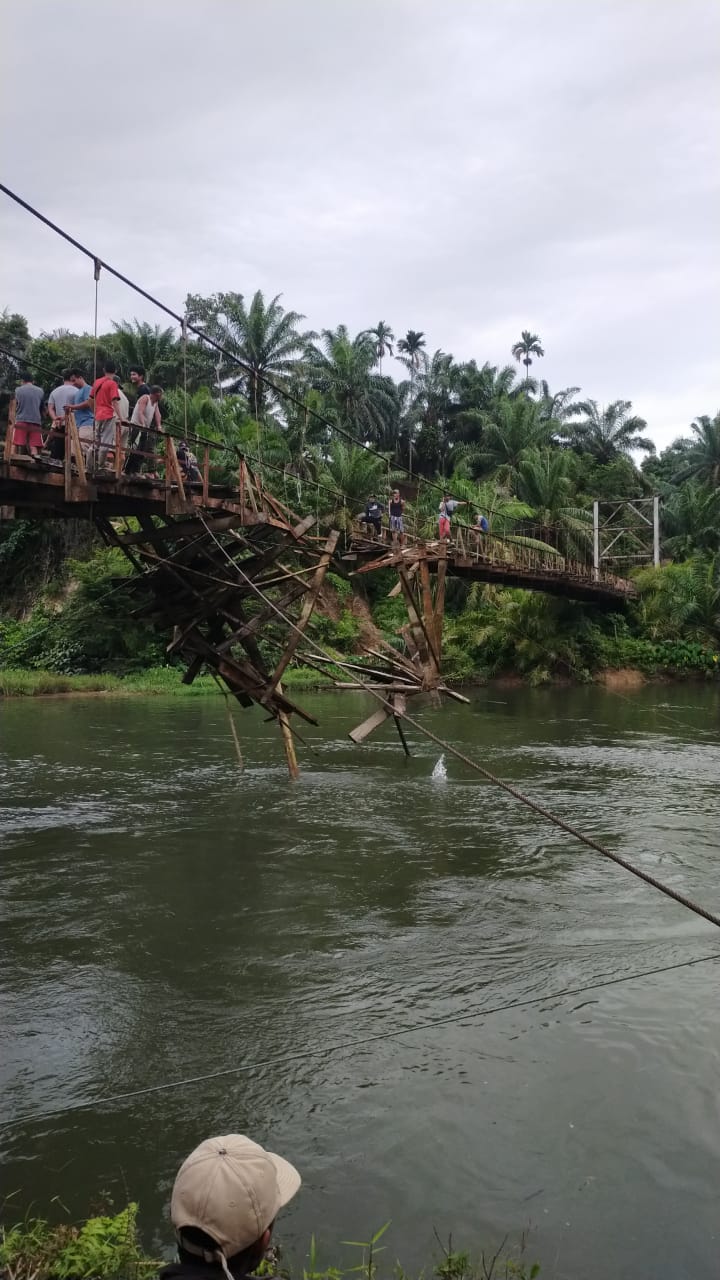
<point x="429" y="401"/>
<point x="560" y="406"/>
<point x="609" y="433"/>
<point x="544" y="483"/>
<point x="362" y="402"/>
<point x="411" y="347"/>
<point x="147" y="346"/>
<point x="264" y="336"/>
<point x="383" y="338"/>
<point x="703" y="454"/>
<point x="691" y="520"/>
<point x="525" y="349"/>
<point x="509" y="431"/>
<point x="356" y="473"/>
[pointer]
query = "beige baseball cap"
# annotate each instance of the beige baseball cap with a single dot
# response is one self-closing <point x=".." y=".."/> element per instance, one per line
<point x="232" y="1189"/>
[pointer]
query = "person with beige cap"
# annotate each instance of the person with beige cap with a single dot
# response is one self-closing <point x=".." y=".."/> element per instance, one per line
<point x="226" y="1197"/>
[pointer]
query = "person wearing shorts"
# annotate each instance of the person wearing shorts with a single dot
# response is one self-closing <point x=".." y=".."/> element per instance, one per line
<point x="447" y="507"/>
<point x="396" y="509"/>
<point x="29" y="401"/>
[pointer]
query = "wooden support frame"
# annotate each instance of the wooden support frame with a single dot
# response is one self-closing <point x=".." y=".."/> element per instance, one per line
<point x="10" y="433"/>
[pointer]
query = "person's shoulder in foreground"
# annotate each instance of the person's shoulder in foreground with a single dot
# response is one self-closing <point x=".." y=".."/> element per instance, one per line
<point x="225" y="1200"/>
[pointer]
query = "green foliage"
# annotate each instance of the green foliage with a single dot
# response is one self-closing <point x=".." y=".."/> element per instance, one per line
<point x="341" y="634"/>
<point x="531" y="460"/>
<point x="93" y="631"/>
<point x="102" y="1248"/>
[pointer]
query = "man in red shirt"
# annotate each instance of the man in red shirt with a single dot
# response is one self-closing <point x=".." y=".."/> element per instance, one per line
<point x="104" y="399"/>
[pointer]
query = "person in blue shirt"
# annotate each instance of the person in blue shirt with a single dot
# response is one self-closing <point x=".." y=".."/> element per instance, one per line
<point x="82" y="407"/>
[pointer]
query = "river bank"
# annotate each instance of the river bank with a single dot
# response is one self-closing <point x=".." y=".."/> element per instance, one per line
<point x="167" y="682"/>
<point x="108" y="1246"/>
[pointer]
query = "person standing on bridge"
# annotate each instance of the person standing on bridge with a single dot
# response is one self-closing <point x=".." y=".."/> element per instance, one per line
<point x="448" y="507"/>
<point x="145" y="419"/>
<point x="396" y="509"/>
<point x="105" y="395"/>
<point x="59" y="399"/>
<point x="373" y="516"/>
<point x="138" y="439"/>
<point x="29" y="400"/>
<point x="81" y="407"/>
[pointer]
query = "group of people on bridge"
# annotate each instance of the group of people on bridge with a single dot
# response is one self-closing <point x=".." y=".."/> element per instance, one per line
<point x="103" y="418"/>
<point x="375" y="509"/>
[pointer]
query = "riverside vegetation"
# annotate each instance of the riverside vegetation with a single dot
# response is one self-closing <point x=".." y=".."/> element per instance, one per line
<point x="108" y="1247"/>
<point x="500" y="439"/>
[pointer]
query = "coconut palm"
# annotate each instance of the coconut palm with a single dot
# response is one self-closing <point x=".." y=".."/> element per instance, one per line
<point x="147" y="346"/>
<point x="703" y="454"/>
<point x="264" y="336"/>
<point x="610" y="432"/>
<point x="383" y="337"/>
<point x="360" y="401"/>
<point x="525" y="349"/>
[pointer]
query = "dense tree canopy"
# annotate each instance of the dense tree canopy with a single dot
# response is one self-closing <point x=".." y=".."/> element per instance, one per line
<point x="505" y="443"/>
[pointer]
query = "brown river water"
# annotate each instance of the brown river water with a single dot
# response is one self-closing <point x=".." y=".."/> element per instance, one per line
<point x="163" y="917"/>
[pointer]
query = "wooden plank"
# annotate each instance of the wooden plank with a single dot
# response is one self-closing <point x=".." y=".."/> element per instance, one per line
<point x="417" y="622"/>
<point x="72" y="437"/>
<point x="10" y="430"/>
<point x="182" y="529"/>
<point x="427" y="600"/>
<point x="173" y="473"/>
<point x="288" y="743"/>
<point x="206" y="475"/>
<point x="439" y="616"/>
<point x="306" y="611"/>
<point x="400" y="707"/>
<point x="362" y="731"/>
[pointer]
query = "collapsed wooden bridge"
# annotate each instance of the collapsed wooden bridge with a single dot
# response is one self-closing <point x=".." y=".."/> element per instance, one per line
<point x="232" y="575"/>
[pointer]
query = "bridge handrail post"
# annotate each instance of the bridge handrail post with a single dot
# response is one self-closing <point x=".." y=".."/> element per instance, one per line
<point x="10" y="433"/>
<point x="206" y="475"/>
<point x="118" y="449"/>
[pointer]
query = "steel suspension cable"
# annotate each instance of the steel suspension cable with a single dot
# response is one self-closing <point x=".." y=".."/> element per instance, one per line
<point x="430" y="1024"/>
<point x="276" y="388"/>
<point x="538" y="808"/>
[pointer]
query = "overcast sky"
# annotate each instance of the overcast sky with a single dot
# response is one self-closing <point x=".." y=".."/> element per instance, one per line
<point x="465" y="167"/>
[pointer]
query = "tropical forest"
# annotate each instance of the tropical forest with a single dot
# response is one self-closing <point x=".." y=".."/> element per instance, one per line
<point x="333" y="417"/>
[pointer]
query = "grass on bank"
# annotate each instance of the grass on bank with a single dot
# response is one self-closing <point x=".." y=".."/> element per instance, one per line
<point x="108" y="1247"/>
<point x="16" y="683"/>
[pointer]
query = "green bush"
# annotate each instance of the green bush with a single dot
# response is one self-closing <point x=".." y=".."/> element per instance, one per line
<point x="93" y="630"/>
<point x="103" y="1248"/>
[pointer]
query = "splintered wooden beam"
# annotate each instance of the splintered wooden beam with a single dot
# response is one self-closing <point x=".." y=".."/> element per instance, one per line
<point x="440" y="598"/>
<point x="363" y="731"/>
<point x="432" y="666"/>
<point x="10" y="433"/>
<point x="305" y="613"/>
<point x="179" y="529"/>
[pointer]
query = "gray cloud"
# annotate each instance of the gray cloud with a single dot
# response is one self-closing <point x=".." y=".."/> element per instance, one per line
<point x="468" y="168"/>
